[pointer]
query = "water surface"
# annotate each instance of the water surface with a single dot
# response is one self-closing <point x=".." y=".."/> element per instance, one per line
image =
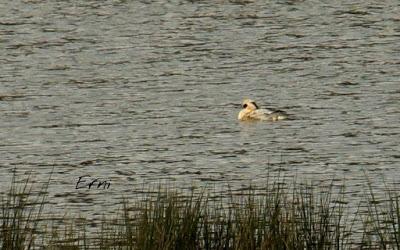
<point x="147" y="92"/>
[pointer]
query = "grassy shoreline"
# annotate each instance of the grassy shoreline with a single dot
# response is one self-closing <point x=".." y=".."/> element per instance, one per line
<point x="276" y="216"/>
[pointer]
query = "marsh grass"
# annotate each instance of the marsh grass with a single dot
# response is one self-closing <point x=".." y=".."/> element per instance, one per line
<point x="71" y="235"/>
<point x="21" y="211"/>
<point x="382" y="220"/>
<point x="302" y="216"/>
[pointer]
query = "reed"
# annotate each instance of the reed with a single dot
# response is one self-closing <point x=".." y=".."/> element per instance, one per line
<point x="21" y="211"/>
<point x="276" y="216"/>
<point x="381" y="223"/>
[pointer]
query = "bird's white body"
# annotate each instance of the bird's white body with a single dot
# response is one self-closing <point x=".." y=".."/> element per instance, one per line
<point x="251" y="112"/>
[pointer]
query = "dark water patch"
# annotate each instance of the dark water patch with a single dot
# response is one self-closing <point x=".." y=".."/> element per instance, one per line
<point x="228" y="153"/>
<point x="348" y="83"/>
<point x="301" y="149"/>
<point x="12" y="97"/>
<point x="189" y="172"/>
<point x="164" y="161"/>
<point x="125" y="172"/>
<point x="75" y="125"/>
<point x="88" y="162"/>
<point x="46" y="107"/>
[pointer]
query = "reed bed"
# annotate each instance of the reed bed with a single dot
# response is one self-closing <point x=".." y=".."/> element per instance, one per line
<point x="302" y="216"/>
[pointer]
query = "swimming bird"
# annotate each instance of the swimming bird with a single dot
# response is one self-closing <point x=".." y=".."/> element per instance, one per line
<point x="251" y="112"/>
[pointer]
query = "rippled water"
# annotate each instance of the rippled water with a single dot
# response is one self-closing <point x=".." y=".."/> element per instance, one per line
<point x="141" y="92"/>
